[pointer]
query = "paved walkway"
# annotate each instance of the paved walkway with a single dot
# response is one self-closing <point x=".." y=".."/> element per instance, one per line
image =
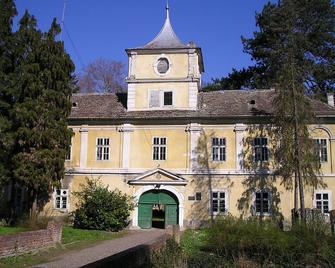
<point x="104" y="249"/>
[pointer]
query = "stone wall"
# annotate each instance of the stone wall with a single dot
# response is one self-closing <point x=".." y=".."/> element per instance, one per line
<point x="19" y="243"/>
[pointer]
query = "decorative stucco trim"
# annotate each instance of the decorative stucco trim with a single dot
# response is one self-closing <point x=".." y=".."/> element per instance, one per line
<point x="83" y="146"/>
<point x="193" y="95"/>
<point x="239" y="134"/>
<point x="131" y="97"/>
<point x="126" y="130"/>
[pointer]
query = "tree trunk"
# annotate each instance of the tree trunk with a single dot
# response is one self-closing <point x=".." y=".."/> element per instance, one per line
<point x="33" y="208"/>
<point x="297" y="147"/>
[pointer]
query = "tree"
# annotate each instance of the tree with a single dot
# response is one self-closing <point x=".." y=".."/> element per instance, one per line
<point x="292" y="53"/>
<point x="101" y="209"/>
<point x="315" y="24"/>
<point x="103" y="75"/>
<point x="36" y="88"/>
<point x="247" y="78"/>
<point x="7" y="65"/>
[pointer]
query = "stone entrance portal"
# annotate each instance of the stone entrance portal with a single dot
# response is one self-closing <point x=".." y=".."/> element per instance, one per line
<point x="157" y="209"/>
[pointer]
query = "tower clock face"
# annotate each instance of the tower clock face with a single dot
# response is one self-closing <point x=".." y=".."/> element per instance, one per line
<point x="163" y="65"/>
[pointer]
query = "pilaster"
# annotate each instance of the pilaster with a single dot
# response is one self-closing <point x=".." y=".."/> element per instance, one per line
<point x="239" y="134"/>
<point x="126" y="131"/>
<point x="83" y="146"/>
<point x="194" y="130"/>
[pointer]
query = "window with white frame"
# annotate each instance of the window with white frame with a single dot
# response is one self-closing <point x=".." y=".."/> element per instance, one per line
<point x="159" y="148"/>
<point x="68" y="153"/>
<point x="102" y="148"/>
<point x="261" y="150"/>
<point x="323" y="201"/>
<point x="219" y="149"/>
<point x="61" y="198"/>
<point x="160" y="98"/>
<point x="321" y="149"/>
<point x="262" y="202"/>
<point x="219" y="202"/>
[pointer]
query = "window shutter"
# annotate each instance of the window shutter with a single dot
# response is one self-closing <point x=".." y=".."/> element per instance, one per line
<point x="154" y="99"/>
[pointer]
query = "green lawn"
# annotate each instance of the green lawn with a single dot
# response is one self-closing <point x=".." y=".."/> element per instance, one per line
<point x="72" y="239"/>
<point x="11" y="230"/>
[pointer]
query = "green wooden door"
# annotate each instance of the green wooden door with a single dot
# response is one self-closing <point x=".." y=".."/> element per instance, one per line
<point x="144" y="216"/>
<point x="171" y="214"/>
<point x="150" y="198"/>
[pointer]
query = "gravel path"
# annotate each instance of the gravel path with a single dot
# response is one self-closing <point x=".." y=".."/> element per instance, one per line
<point x="103" y="250"/>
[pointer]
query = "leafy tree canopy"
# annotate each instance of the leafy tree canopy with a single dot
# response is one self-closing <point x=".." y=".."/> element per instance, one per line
<point x="315" y="32"/>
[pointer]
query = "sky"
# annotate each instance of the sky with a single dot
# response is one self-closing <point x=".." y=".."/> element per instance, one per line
<point x="105" y="28"/>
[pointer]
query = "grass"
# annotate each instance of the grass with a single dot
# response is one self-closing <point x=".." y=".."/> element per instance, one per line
<point x="72" y="239"/>
<point x="193" y="240"/>
<point x="11" y="230"/>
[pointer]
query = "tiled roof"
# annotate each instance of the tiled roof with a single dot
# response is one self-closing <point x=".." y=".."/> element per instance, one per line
<point x="213" y="105"/>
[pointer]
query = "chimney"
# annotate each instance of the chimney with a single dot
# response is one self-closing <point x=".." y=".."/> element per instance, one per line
<point x="330" y="99"/>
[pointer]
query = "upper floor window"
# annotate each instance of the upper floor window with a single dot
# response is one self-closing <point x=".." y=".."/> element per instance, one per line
<point x="323" y="201"/>
<point x="219" y="149"/>
<point x="102" y="148"/>
<point x="262" y="202"/>
<point x="159" y="148"/>
<point x="219" y="202"/>
<point x="168" y="101"/>
<point x="163" y="65"/>
<point x="61" y="198"/>
<point x="160" y="98"/>
<point x="321" y="149"/>
<point x="68" y="153"/>
<point x="261" y="150"/>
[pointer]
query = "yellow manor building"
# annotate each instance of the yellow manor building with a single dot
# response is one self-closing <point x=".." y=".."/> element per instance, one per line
<point x="179" y="151"/>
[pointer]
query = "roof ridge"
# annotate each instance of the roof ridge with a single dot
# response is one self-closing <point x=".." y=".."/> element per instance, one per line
<point x="93" y="93"/>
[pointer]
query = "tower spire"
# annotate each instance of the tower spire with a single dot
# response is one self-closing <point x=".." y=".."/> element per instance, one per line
<point x="167" y="10"/>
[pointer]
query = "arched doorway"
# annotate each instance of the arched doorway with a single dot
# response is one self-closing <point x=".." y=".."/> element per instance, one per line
<point x="157" y="208"/>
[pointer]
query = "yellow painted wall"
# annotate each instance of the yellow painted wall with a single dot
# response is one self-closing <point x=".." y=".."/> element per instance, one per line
<point x="75" y="150"/>
<point x="144" y="67"/>
<point x="115" y="148"/>
<point x="177" y="148"/>
<point x="177" y="158"/>
<point x="180" y="94"/>
<point x="229" y="135"/>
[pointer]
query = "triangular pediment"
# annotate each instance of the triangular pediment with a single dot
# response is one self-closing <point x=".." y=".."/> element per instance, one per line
<point x="158" y="176"/>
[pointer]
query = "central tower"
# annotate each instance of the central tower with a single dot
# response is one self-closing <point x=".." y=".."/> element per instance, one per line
<point x="164" y="74"/>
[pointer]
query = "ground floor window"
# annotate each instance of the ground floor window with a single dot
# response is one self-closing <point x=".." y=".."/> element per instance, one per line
<point x="61" y="198"/>
<point x="219" y="202"/>
<point x="262" y="202"/>
<point x="323" y="201"/>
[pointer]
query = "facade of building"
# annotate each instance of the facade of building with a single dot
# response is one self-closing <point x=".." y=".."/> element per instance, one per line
<point x="179" y="151"/>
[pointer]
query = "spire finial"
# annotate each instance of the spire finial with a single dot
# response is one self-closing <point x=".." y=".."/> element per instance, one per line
<point x="167" y="9"/>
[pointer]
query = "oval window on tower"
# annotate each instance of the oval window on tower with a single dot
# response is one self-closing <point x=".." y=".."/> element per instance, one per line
<point x="162" y="65"/>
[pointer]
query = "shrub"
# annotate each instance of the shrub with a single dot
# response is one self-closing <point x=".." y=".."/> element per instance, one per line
<point x="101" y="209"/>
<point x="170" y="256"/>
<point x="264" y="243"/>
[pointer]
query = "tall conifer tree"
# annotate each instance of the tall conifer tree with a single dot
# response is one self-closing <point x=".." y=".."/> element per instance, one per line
<point x="291" y="24"/>
<point x="7" y="65"/>
<point x="315" y="25"/>
<point x="45" y="80"/>
<point x="36" y="83"/>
